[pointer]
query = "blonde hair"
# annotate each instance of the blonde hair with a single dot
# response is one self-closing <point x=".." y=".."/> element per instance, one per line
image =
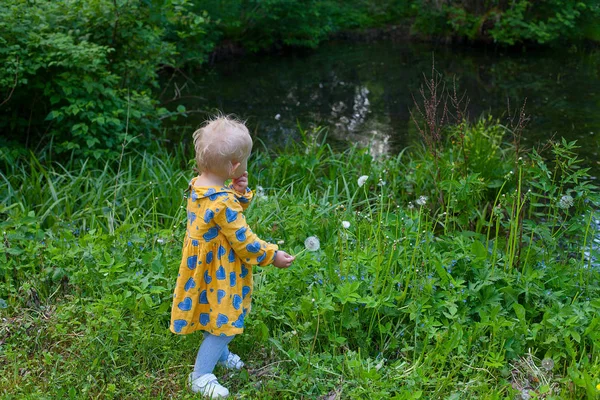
<point x="220" y="143"/>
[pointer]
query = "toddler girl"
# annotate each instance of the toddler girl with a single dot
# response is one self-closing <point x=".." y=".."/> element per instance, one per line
<point x="214" y="286"/>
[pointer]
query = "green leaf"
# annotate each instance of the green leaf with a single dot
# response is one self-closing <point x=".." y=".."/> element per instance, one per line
<point x="478" y="249"/>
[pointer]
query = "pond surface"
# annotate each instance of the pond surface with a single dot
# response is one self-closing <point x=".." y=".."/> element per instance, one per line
<point x="363" y="92"/>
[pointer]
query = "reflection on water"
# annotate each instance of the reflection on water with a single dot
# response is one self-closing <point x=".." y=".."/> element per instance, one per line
<point x="363" y="92"/>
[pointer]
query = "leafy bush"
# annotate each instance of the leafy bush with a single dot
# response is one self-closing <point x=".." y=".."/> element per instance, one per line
<point x="80" y="74"/>
<point x="508" y="22"/>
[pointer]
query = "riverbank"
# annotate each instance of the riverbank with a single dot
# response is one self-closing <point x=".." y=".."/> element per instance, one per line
<point x="86" y="78"/>
<point x="468" y="272"/>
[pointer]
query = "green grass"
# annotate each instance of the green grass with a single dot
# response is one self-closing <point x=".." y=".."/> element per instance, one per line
<point x="460" y="297"/>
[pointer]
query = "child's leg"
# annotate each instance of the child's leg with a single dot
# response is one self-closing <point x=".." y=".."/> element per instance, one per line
<point x="225" y="353"/>
<point x="211" y="350"/>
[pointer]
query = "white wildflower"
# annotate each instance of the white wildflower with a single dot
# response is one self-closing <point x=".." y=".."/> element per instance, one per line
<point x="421" y="201"/>
<point x="362" y="180"/>
<point x="345" y="224"/>
<point x="312" y="243"/>
<point x="411" y="205"/>
<point x="160" y="241"/>
<point x="280" y="241"/>
<point x="565" y="202"/>
<point x="278" y="117"/>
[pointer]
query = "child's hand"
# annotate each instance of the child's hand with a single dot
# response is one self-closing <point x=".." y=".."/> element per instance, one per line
<point x="283" y="259"/>
<point x="240" y="184"/>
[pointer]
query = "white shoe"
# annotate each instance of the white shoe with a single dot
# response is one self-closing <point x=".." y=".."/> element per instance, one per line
<point x="207" y="385"/>
<point x="233" y="362"/>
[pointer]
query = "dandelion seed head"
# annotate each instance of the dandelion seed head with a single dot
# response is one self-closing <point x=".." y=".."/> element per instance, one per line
<point x="312" y="243"/>
<point x="422" y="200"/>
<point x="548" y="364"/>
<point x="565" y="202"/>
<point x="345" y="224"/>
<point x="362" y="179"/>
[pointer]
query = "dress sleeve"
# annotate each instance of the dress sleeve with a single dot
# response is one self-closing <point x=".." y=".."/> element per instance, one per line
<point x="243" y="198"/>
<point x="245" y="243"/>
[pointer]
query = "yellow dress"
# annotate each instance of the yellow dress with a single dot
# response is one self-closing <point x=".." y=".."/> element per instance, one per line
<point x="214" y="286"/>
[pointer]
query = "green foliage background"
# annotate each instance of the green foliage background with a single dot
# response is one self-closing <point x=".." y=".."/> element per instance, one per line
<point x="83" y="75"/>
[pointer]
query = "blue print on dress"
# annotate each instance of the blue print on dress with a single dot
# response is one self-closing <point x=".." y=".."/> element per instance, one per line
<point x="237" y="301"/>
<point x="220" y="274"/>
<point x="190" y="284"/>
<point x="213" y="194"/>
<point x="211" y="234"/>
<point x="208" y="215"/>
<point x="230" y="215"/>
<point x="253" y="247"/>
<point x="207" y="277"/>
<point x="220" y="295"/>
<point x="203" y="298"/>
<point x="239" y="323"/>
<point x="245" y="291"/>
<point x="232" y="279"/>
<point x="191" y="216"/>
<point x="185" y="305"/>
<point x="231" y="256"/>
<point x="178" y="325"/>
<point x="222" y="319"/>
<point x="262" y="257"/>
<point x="243" y="199"/>
<point x="192" y="261"/>
<point x="204" y="319"/>
<point x="194" y="196"/>
<point x="240" y="234"/>
<point x="221" y="252"/>
<point x="194" y="243"/>
<point x="244" y="271"/>
<point x="209" y="257"/>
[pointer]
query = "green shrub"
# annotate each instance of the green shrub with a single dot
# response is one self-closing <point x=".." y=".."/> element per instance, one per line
<point x="80" y="74"/>
<point x="508" y="23"/>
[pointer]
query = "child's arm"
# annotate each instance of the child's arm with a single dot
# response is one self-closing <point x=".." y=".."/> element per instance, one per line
<point x="245" y="243"/>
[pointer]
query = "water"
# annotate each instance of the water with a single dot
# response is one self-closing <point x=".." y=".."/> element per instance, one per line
<point x="363" y="92"/>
